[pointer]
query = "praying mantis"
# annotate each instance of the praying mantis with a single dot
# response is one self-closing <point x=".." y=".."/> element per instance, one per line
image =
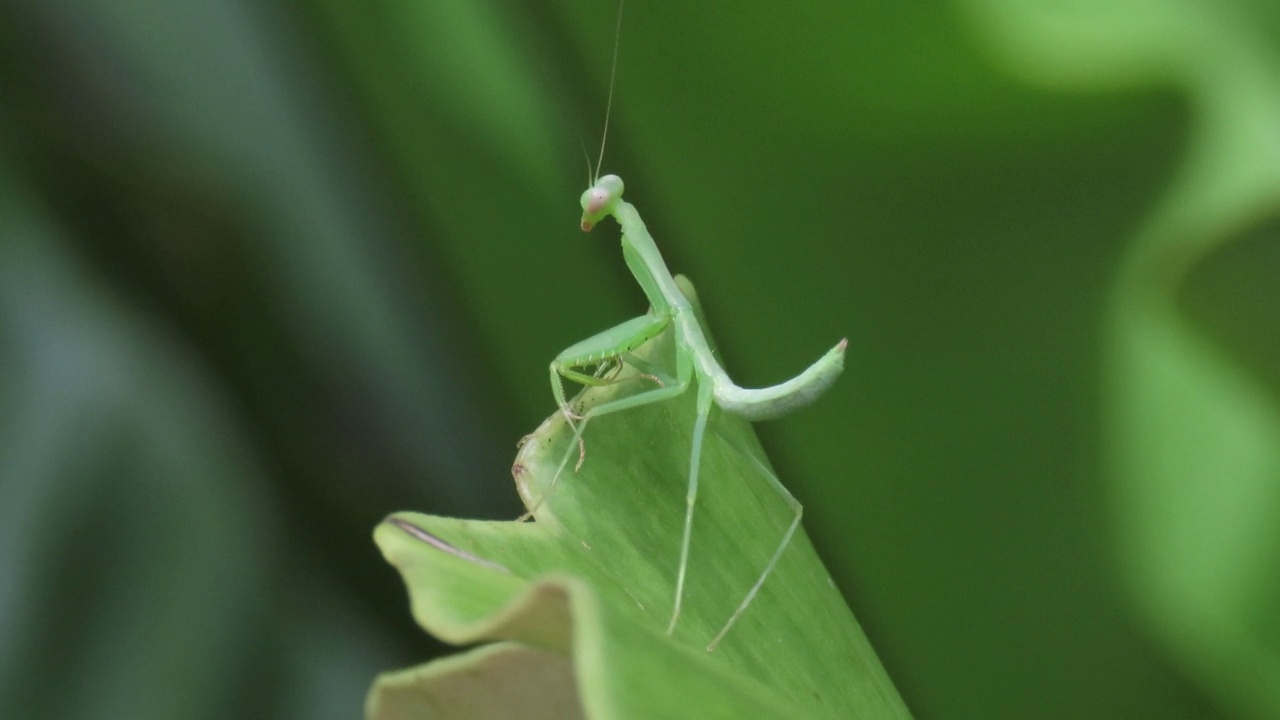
<point x="695" y="366"/>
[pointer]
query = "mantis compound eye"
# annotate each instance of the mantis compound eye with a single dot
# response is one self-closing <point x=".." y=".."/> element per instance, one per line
<point x="597" y="201"/>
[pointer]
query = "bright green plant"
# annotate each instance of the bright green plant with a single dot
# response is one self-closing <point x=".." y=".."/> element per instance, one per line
<point x="578" y="601"/>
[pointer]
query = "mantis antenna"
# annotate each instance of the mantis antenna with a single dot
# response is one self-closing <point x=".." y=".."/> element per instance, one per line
<point x="608" y="106"/>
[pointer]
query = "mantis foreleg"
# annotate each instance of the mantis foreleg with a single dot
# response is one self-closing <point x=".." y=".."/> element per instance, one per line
<point x="612" y="345"/>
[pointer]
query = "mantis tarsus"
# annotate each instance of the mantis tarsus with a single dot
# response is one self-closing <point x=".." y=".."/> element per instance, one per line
<point x="694" y="361"/>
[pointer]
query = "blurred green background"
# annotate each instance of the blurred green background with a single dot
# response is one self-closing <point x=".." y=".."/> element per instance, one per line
<point x="272" y="270"/>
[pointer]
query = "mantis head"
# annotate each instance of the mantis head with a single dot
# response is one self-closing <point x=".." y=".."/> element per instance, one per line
<point x="600" y="200"/>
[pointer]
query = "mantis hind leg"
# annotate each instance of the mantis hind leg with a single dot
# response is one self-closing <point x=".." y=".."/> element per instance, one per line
<point x="691" y="498"/>
<point x="797" y="511"/>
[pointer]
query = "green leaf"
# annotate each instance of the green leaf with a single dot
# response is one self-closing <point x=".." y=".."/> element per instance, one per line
<point x="592" y="580"/>
<point x="488" y="682"/>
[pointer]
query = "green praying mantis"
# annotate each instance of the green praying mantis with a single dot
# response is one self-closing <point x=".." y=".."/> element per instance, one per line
<point x="695" y="365"/>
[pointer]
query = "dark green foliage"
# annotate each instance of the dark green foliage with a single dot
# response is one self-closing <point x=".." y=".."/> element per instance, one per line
<point x="273" y="270"/>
